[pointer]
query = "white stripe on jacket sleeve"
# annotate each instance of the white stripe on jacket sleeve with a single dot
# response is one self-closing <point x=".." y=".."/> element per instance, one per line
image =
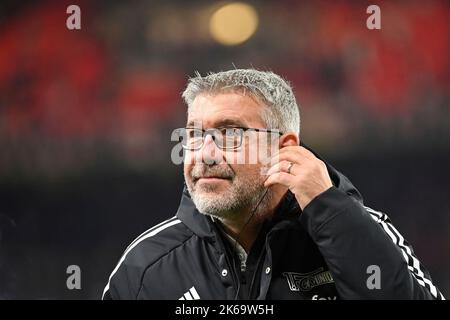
<point x="412" y="261"/>
<point x="149" y="233"/>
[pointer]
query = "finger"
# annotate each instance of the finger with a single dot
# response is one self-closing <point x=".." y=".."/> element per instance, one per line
<point x="291" y="157"/>
<point x="293" y="154"/>
<point x="307" y="153"/>
<point x="282" y="178"/>
<point x="302" y="151"/>
<point x="283" y="166"/>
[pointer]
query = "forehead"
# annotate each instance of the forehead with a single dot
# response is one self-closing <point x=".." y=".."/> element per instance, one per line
<point x="229" y="108"/>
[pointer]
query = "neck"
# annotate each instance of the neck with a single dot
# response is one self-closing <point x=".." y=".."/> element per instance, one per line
<point x="245" y="234"/>
<point x="244" y="227"/>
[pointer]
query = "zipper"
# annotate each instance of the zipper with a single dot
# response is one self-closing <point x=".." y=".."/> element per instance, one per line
<point x="231" y="267"/>
<point x="255" y="272"/>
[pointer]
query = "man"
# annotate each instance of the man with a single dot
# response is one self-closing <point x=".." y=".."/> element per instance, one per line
<point x="289" y="228"/>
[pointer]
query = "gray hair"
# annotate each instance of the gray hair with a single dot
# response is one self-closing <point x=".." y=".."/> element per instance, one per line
<point x="281" y="111"/>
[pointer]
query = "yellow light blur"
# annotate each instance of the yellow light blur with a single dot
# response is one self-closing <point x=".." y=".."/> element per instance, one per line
<point x="233" y="23"/>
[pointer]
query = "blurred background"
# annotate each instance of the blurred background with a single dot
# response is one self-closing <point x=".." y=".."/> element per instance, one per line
<point x="86" y="117"/>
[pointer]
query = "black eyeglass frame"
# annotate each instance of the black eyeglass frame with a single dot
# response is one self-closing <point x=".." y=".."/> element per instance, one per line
<point x="212" y="131"/>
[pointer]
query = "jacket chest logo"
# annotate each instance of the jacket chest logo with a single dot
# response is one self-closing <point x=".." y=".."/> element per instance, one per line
<point x="308" y="281"/>
<point x="191" y="294"/>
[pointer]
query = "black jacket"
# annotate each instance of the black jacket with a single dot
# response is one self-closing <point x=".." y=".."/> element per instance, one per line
<point x="337" y="248"/>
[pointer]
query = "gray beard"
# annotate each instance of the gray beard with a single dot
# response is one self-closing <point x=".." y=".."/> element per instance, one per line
<point x="229" y="204"/>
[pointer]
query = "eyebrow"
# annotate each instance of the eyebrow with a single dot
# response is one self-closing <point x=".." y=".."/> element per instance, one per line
<point x="228" y="122"/>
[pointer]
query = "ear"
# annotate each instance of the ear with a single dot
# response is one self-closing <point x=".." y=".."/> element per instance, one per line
<point x="289" y="139"/>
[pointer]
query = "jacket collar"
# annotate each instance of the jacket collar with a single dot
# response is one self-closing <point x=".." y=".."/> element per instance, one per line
<point x="198" y="223"/>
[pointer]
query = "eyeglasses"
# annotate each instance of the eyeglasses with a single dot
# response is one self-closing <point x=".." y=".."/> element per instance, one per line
<point x="226" y="138"/>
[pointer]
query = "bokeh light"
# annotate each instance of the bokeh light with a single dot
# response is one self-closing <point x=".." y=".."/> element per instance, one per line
<point x="233" y="23"/>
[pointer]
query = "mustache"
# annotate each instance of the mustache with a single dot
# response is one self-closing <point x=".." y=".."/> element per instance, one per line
<point x="219" y="171"/>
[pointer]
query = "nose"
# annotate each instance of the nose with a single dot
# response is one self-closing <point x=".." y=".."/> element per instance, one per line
<point x="210" y="153"/>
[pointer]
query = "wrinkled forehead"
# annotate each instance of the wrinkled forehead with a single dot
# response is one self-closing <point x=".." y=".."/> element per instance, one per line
<point x="225" y="109"/>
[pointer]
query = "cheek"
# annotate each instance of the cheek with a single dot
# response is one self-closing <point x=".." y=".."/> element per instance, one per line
<point x="239" y="157"/>
<point x="250" y="173"/>
<point x="254" y="151"/>
<point x="187" y="170"/>
<point x="232" y="157"/>
<point x="189" y="158"/>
